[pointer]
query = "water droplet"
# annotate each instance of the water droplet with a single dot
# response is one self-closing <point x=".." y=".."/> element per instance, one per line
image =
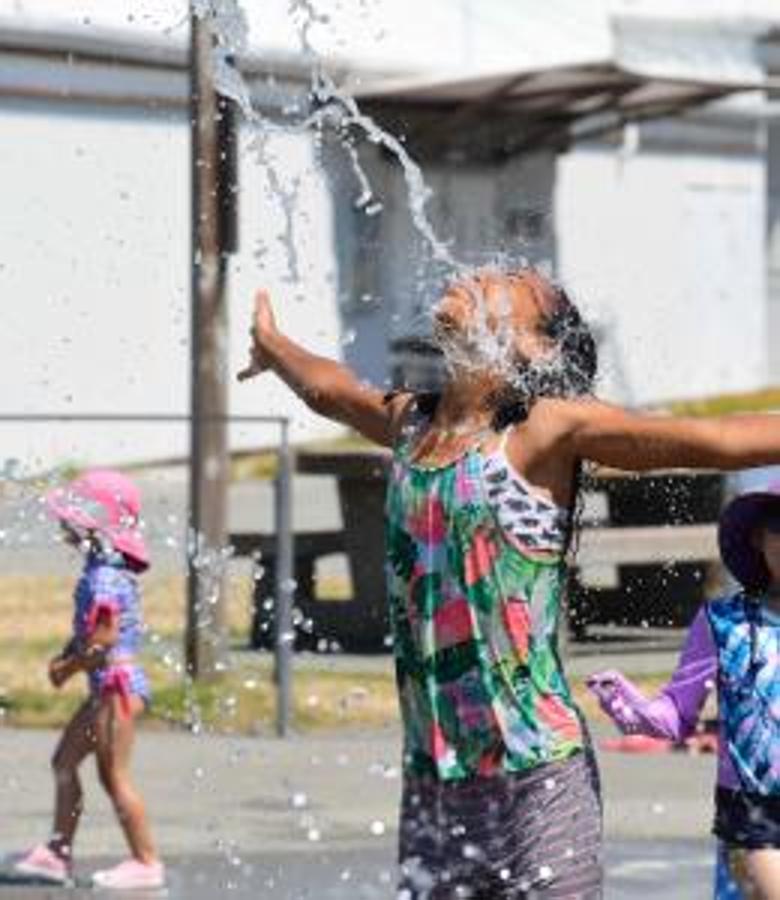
<point x="299" y="800"/>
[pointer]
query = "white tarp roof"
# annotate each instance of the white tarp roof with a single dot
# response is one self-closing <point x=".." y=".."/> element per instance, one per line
<point x="471" y="37"/>
<point x="528" y="110"/>
<point x="400" y="35"/>
<point x="533" y="56"/>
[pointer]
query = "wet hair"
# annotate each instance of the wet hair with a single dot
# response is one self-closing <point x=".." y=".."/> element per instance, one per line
<point x="571" y="372"/>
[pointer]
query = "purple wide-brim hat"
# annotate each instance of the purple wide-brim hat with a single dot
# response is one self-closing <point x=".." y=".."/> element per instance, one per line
<point x="736" y="528"/>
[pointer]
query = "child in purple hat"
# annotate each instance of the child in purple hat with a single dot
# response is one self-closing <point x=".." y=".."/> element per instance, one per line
<point x="734" y="642"/>
<point x="99" y="514"/>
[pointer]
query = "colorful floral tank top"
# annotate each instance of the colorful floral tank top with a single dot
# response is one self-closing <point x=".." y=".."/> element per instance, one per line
<point x="474" y="616"/>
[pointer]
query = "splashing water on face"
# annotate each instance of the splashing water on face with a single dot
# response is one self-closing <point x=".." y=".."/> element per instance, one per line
<point x="489" y="341"/>
<point x="482" y="344"/>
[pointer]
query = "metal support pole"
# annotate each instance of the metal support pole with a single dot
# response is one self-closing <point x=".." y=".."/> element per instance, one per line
<point x="204" y="642"/>
<point x="285" y="585"/>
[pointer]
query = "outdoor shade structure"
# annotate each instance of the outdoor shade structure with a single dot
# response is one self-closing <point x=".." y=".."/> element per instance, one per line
<point x="498" y="116"/>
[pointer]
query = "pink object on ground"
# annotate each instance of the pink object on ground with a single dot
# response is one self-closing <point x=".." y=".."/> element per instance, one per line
<point x="107" y="502"/>
<point x="43" y="863"/>
<point x="637" y="743"/>
<point x="131" y="875"/>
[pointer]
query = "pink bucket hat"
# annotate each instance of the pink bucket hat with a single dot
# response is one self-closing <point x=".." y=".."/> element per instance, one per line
<point x="738" y="522"/>
<point x="108" y="503"/>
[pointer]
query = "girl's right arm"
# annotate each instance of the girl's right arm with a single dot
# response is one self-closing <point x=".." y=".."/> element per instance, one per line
<point x="64" y="667"/>
<point x="86" y="656"/>
<point x="327" y="387"/>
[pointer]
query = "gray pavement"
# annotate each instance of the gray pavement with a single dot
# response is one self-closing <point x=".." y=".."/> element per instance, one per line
<point x="635" y="871"/>
<point x="315" y="816"/>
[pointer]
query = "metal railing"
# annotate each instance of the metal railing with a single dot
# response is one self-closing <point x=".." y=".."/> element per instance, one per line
<point x="283" y="486"/>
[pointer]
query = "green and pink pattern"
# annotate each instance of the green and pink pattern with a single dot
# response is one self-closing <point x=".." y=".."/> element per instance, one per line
<point x="474" y="617"/>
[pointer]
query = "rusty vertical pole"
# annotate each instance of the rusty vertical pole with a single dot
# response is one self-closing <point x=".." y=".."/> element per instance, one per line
<point x="204" y="640"/>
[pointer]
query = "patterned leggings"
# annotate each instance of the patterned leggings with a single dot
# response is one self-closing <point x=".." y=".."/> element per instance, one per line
<point x="504" y="837"/>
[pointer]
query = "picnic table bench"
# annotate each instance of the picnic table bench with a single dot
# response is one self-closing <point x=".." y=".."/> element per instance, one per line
<point x="644" y="556"/>
<point x="309" y="546"/>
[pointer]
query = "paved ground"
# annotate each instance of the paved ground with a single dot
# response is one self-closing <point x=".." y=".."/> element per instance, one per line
<point x="635" y="871"/>
<point x="315" y="817"/>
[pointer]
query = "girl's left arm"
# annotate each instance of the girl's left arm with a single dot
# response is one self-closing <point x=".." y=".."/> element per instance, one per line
<point x="615" y="437"/>
<point x="673" y="713"/>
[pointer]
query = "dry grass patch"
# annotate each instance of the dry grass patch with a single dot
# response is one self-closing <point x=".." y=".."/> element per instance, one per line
<point x="766" y="400"/>
<point x="35" y="622"/>
<point x="39" y="608"/>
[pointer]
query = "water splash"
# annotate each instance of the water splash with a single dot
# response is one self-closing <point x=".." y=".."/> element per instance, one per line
<point x="330" y="108"/>
<point x="231" y="30"/>
<point x="559" y="355"/>
<point x="327" y="94"/>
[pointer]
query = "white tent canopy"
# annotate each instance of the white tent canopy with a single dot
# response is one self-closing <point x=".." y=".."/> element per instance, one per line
<point x="550" y="106"/>
<point x="399" y="36"/>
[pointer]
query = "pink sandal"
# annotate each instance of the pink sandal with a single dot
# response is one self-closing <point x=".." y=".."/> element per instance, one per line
<point x="43" y="863"/>
<point x="131" y="875"/>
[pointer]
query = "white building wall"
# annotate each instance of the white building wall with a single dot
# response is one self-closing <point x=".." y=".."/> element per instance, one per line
<point x="773" y="246"/>
<point x="771" y="53"/>
<point x="666" y="252"/>
<point x="94" y="274"/>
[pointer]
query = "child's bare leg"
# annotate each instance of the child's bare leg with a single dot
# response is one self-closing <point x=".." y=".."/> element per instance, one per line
<point x="764" y="872"/>
<point x="115" y="735"/>
<point x="76" y="743"/>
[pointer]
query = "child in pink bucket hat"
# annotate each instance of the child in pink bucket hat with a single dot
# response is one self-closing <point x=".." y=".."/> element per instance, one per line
<point x="734" y="643"/>
<point x="100" y="514"/>
<point x="108" y="504"/>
